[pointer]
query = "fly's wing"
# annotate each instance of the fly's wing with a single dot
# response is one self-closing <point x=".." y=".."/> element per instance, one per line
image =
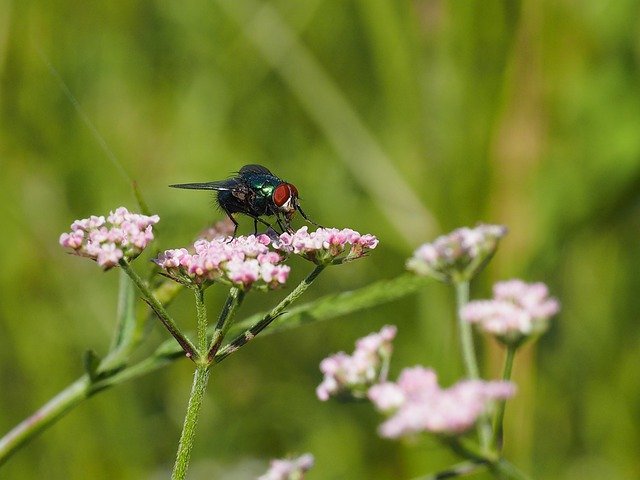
<point x="232" y="193"/>
<point x="220" y="186"/>
<point x="256" y="169"/>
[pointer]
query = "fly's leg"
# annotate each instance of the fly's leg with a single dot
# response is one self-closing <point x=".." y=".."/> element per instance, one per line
<point x="235" y="224"/>
<point x="304" y="215"/>
<point x="282" y="227"/>
<point x="255" y="222"/>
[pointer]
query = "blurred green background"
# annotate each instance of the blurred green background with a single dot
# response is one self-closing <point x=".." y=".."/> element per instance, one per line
<point x="401" y="118"/>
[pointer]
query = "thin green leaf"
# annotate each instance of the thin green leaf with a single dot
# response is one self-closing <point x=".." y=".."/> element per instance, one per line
<point x="126" y="326"/>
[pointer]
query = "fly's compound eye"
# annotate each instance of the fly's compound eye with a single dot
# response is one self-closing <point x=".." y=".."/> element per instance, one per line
<point x="283" y="194"/>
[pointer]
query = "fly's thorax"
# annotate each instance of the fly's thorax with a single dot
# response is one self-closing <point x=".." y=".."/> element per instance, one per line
<point x="285" y="197"/>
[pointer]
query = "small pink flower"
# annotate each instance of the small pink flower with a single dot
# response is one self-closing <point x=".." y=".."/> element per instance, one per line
<point x="353" y="374"/>
<point x="121" y="235"/>
<point x="416" y="403"/>
<point x="109" y="255"/>
<point x="518" y="310"/>
<point x="243" y="272"/>
<point x="72" y="240"/>
<point x="293" y="469"/>
<point x="326" y="245"/>
<point x="458" y="255"/>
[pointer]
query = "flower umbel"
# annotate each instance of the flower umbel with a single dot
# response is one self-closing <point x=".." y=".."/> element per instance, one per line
<point x="416" y="403"/>
<point x="121" y="235"/>
<point x="353" y="374"/>
<point x="293" y="469"/>
<point x="242" y="261"/>
<point x="326" y="245"/>
<point x="518" y="310"/>
<point x="459" y="255"/>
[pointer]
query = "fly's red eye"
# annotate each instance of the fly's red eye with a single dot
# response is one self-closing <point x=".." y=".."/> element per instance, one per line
<point x="282" y="194"/>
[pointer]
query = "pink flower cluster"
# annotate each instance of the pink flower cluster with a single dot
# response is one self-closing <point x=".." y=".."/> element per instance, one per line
<point x="353" y="374"/>
<point x="416" y="403"/>
<point x="293" y="469"/>
<point x="458" y="255"/>
<point x="121" y="235"/>
<point x="241" y="261"/>
<point x="326" y="245"/>
<point x="517" y="310"/>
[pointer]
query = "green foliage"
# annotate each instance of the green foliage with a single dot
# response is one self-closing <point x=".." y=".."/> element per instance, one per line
<point x="403" y="119"/>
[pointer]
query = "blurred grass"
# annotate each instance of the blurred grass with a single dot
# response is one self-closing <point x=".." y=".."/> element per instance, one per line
<point x="404" y="119"/>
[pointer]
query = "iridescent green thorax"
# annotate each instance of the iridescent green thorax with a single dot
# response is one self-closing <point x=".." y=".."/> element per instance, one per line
<point x="264" y="184"/>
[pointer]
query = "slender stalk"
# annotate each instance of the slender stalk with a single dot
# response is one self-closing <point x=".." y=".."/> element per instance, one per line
<point x="498" y="424"/>
<point x="466" y="338"/>
<point x="469" y="355"/>
<point x="234" y="300"/>
<point x="500" y="467"/>
<point x="46" y="415"/>
<point x="201" y="314"/>
<point x="200" y="380"/>
<point x="158" y="308"/>
<point x="254" y="330"/>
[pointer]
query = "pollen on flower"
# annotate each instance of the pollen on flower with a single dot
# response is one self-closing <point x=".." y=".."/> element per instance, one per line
<point x="241" y="261"/>
<point x="326" y="245"/>
<point x="289" y="469"/>
<point x="416" y="403"/>
<point x="459" y="254"/>
<point x="353" y="374"/>
<point x="121" y="235"/>
<point x="517" y="310"/>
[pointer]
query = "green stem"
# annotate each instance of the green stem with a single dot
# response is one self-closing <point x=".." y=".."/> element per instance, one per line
<point x="201" y="314"/>
<point x="498" y="425"/>
<point x="500" y="467"/>
<point x="469" y="355"/>
<point x="254" y="330"/>
<point x="157" y="307"/>
<point x="234" y="300"/>
<point x="200" y="380"/>
<point x="49" y="413"/>
<point x="466" y="338"/>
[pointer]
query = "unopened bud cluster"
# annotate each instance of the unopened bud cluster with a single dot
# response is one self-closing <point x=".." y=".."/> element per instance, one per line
<point x="416" y="403"/>
<point x="326" y="245"/>
<point x="354" y="374"/>
<point x="517" y="310"/>
<point x="107" y="240"/>
<point x="242" y="261"/>
<point x="459" y="255"/>
<point x="413" y="404"/>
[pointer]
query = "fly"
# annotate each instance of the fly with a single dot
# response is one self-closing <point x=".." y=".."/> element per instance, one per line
<point x="255" y="192"/>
